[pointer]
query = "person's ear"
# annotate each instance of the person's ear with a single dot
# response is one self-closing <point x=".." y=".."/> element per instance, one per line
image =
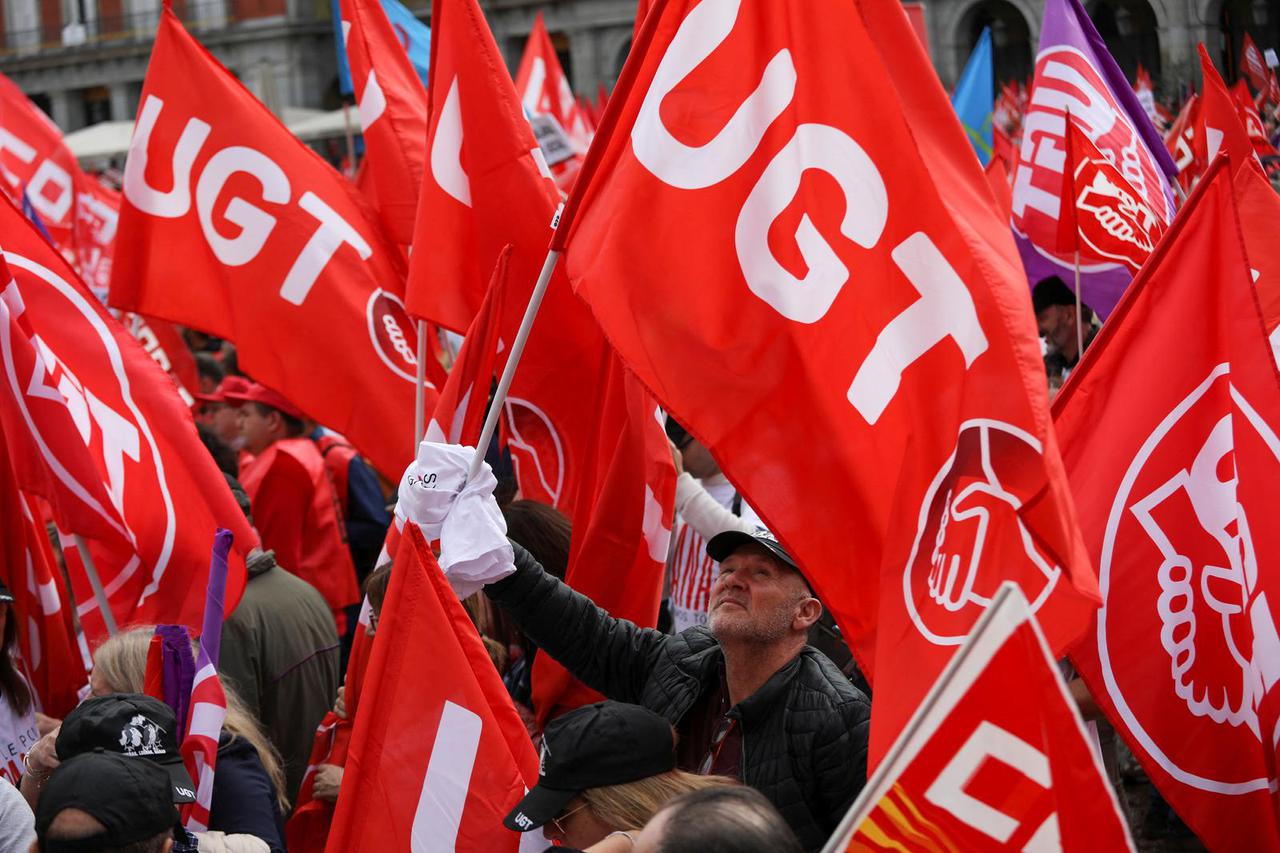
<point x="808" y="612"/>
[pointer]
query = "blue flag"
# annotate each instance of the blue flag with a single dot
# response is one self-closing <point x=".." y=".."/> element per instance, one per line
<point x="414" y="37"/>
<point x="975" y="97"/>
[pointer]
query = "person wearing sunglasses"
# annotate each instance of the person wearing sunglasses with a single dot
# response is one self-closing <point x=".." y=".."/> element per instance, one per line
<point x="604" y="770"/>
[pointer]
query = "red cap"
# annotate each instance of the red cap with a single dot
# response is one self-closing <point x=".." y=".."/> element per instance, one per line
<point x="229" y="385"/>
<point x="256" y="393"/>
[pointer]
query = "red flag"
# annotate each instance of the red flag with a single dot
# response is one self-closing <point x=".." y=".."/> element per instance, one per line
<point x="97" y="213"/>
<point x="998" y="178"/>
<point x="1103" y="217"/>
<point x="642" y="9"/>
<point x="438" y="750"/>
<point x="1175" y="480"/>
<point x="464" y="399"/>
<point x="1251" y="120"/>
<point x="503" y="196"/>
<point x="1253" y="64"/>
<point x="48" y="651"/>
<point x="1220" y="126"/>
<point x="839" y="341"/>
<point x="291" y="269"/>
<point x="34" y="160"/>
<point x="141" y="439"/>
<point x="997" y="758"/>
<point x="621" y="524"/>
<point x="544" y="87"/>
<point x="392" y="108"/>
<point x="1182" y="144"/>
<point x="164" y="343"/>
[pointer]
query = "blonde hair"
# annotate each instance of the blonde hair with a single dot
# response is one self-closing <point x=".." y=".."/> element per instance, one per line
<point x="631" y="804"/>
<point x="121" y="663"/>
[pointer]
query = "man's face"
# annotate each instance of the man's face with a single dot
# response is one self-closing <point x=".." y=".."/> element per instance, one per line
<point x="1058" y="326"/>
<point x="756" y="598"/>
<point x="257" y="429"/>
<point x="224" y="420"/>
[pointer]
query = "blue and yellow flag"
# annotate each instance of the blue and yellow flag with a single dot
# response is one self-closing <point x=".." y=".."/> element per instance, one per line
<point x="975" y="96"/>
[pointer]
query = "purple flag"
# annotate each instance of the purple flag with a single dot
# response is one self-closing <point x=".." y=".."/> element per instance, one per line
<point x="1075" y="73"/>
<point x="178" y="670"/>
<point x="215" y="596"/>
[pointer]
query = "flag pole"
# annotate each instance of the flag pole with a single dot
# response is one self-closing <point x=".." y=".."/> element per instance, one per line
<point x="420" y="389"/>
<point x="1079" y="318"/>
<point x="99" y="593"/>
<point x="509" y="371"/>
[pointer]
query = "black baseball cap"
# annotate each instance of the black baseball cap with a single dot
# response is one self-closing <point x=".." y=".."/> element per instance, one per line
<point x="608" y="743"/>
<point x="128" y="796"/>
<point x="131" y="725"/>
<point x="723" y="544"/>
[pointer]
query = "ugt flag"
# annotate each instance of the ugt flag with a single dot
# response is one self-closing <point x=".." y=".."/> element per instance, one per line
<point x="1075" y="74"/>
<point x="1175" y="465"/>
<point x="975" y="97"/>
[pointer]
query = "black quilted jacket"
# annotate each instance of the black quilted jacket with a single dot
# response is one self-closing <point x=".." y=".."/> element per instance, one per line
<point x="804" y="733"/>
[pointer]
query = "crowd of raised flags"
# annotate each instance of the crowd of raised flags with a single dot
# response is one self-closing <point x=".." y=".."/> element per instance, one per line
<point x="776" y="231"/>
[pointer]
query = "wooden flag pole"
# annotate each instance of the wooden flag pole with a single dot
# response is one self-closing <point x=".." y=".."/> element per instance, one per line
<point x="517" y="349"/>
<point x="420" y="390"/>
<point x="99" y="593"/>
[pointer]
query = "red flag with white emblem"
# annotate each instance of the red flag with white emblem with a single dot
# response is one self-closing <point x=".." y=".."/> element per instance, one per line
<point x="996" y="758"/>
<point x="1252" y="121"/>
<point x="34" y="160"/>
<point x="1175" y="481"/>
<point x="97" y="214"/>
<point x="544" y="87"/>
<point x="438" y="756"/>
<point x="140" y="437"/>
<point x="1103" y="217"/>
<point x="232" y="226"/>
<point x="1253" y="64"/>
<point x="863" y="340"/>
<point x="392" y="107"/>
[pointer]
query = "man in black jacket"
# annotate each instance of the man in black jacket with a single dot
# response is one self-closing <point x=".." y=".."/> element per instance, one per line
<point x="748" y="697"/>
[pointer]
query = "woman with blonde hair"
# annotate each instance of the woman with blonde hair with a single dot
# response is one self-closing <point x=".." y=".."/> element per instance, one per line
<point x="605" y="770"/>
<point x="248" y="782"/>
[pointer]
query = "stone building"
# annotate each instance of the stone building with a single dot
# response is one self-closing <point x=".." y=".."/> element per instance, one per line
<point x="84" y="60"/>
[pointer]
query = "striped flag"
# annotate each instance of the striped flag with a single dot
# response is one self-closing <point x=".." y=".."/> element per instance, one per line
<point x="208" y="707"/>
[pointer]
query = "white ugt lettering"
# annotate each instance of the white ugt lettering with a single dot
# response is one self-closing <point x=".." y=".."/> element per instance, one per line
<point x="255" y="223"/>
<point x="177" y="201"/>
<point x="945" y="310"/>
<point x="324" y="243"/>
<point x="687" y="167"/>
<point x="448" y="779"/>
<point x="814" y="146"/>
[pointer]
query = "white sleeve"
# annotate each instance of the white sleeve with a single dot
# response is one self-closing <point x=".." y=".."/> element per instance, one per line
<point x="17" y="823"/>
<point x="704" y="513"/>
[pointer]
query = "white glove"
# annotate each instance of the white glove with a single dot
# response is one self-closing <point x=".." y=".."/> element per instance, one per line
<point x="462" y="514"/>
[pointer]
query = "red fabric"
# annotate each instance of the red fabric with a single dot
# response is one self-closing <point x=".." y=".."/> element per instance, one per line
<point x="292" y="270"/>
<point x="1220" y="127"/>
<point x="338" y="456"/>
<point x="1175" y="481"/>
<point x="1001" y="761"/>
<point x="1253" y="64"/>
<point x="1251" y="120"/>
<point x="142" y="440"/>
<point x="46" y="650"/>
<point x="164" y="343"/>
<point x="998" y="177"/>
<point x="298" y="515"/>
<point x="504" y="196"/>
<point x="904" y="369"/>
<point x="1182" y="144"/>
<point x="544" y="87"/>
<point x="97" y="213"/>
<point x="34" y="160"/>
<point x="459" y="413"/>
<point x="437" y="742"/>
<point x="392" y="108"/>
<point x="1259" y="207"/>
<point x="621" y="524"/>
<point x="1103" y="217"/>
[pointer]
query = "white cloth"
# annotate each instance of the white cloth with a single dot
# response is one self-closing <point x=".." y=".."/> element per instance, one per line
<point x="18" y="734"/>
<point x="462" y="514"/>
<point x="17" y="823"/>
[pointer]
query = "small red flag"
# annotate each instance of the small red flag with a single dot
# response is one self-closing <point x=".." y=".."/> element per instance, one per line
<point x="1253" y="64"/>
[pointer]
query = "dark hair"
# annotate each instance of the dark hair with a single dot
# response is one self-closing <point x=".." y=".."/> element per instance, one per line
<point x="16" y="690"/>
<point x="154" y="844"/>
<point x="223" y="456"/>
<point x="375" y="586"/>
<point x="543" y="530"/>
<point x="208" y="367"/>
<point x="292" y="426"/>
<point x="725" y="819"/>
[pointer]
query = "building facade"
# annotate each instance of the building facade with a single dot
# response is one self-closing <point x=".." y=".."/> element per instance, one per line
<point x="84" y="61"/>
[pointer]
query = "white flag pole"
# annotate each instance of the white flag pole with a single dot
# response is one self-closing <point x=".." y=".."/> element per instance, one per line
<point x="517" y="349"/>
<point x="1079" y="317"/>
<point x="96" y="582"/>
<point x="420" y="390"/>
